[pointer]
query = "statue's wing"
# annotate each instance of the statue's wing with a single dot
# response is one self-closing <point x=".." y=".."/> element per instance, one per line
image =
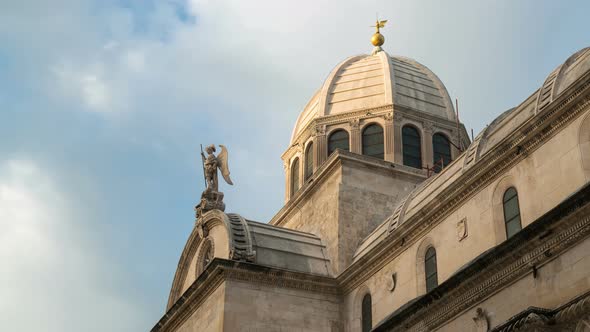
<point x="382" y="23"/>
<point x="222" y="158"/>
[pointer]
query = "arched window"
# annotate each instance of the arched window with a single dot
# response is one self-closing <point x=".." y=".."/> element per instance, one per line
<point x="367" y="315"/>
<point x="511" y="212"/>
<point x="295" y="176"/>
<point x="411" y="147"/>
<point x="373" y="141"/>
<point x="205" y="256"/>
<point x="338" y="140"/>
<point x="430" y="270"/>
<point x="442" y="152"/>
<point x="308" y="161"/>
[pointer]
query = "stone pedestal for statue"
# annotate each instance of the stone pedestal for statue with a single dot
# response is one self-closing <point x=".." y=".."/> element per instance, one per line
<point x="210" y="200"/>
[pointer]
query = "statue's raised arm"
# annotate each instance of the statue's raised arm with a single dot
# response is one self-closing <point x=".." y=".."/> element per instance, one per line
<point x="223" y="167"/>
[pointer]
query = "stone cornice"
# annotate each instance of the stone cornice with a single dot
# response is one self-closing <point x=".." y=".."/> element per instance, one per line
<point x="360" y="114"/>
<point x="504" y="155"/>
<point x="530" y="249"/>
<point x="327" y="169"/>
<point x="368" y="113"/>
<point x="221" y="270"/>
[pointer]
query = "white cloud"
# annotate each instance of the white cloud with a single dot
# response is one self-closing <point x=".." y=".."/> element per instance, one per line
<point x="52" y="279"/>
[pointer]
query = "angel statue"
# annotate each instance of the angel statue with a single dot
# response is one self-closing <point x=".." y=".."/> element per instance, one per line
<point x="210" y="165"/>
<point x="212" y="198"/>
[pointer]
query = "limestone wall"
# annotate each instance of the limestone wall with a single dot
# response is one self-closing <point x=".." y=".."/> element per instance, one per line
<point x="250" y="307"/>
<point x="543" y="179"/>
<point x="209" y="315"/>
<point x="556" y="284"/>
<point x="349" y="204"/>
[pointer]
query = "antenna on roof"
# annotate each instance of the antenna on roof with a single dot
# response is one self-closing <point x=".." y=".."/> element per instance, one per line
<point x="472" y="139"/>
<point x="459" y="143"/>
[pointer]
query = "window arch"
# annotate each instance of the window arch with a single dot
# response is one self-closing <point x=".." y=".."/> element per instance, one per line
<point x="338" y="140"/>
<point x="373" y="141"/>
<point x="308" y="161"/>
<point x="441" y="148"/>
<point x="205" y="256"/>
<point x="430" y="269"/>
<point x="511" y="212"/>
<point x="411" y="147"/>
<point x="295" y="176"/>
<point x="366" y="313"/>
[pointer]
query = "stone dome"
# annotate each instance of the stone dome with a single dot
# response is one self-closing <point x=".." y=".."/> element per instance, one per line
<point x="369" y="81"/>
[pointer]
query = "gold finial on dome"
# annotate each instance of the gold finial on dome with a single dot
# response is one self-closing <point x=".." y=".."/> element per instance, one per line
<point x="377" y="39"/>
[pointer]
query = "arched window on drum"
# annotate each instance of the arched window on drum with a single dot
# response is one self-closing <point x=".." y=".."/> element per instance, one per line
<point x="411" y="147"/>
<point x="308" y="161"/>
<point x="441" y="148"/>
<point x="295" y="176"/>
<point x="373" y="141"/>
<point x="338" y="140"/>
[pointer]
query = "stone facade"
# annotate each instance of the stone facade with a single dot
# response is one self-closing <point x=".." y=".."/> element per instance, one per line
<point x="361" y="231"/>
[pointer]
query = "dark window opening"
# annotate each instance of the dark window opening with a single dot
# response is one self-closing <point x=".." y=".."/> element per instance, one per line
<point x="411" y="147"/>
<point x="511" y="212"/>
<point x="295" y="177"/>
<point x="430" y="269"/>
<point x="308" y="161"/>
<point x="338" y="140"/>
<point x="367" y="315"/>
<point x="441" y="152"/>
<point x="373" y="141"/>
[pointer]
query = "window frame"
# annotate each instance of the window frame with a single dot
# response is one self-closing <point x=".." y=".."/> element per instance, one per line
<point x="436" y="158"/>
<point x="430" y="255"/>
<point x="515" y="217"/>
<point x="366" y="313"/>
<point x="295" y="178"/>
<point x="336" y="131"/>
<point x="308" y="168"/>
<point x="406" y="156"/>
<point x="365" y="137"/>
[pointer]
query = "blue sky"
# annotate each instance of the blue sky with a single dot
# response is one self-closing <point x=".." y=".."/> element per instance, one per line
<point x="103" y="105"/>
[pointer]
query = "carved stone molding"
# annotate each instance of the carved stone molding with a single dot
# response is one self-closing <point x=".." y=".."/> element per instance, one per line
<point x="388" y="116"/>
<point x="355" y="124"/>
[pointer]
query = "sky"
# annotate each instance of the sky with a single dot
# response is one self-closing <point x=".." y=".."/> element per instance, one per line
<point x="104" y="103"/>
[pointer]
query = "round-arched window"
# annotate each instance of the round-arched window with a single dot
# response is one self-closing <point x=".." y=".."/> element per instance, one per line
<point x="441" y="148"/>
<point x="338" y="140"/>
<point x="295" y="176"/>
<point x="367" y="314"/>
<point x="430" y="269"/>
<point x="373" y="141"/>
<point x="206" y="256"/>
<point x="411" y="147"/>
<point x="511" y="212"/>
<point x="308" y="161"/>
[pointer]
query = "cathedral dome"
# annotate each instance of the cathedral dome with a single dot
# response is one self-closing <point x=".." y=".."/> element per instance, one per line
<point x="370" y="81"/>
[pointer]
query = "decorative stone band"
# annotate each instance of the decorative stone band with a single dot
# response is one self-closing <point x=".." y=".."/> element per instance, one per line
<point x="564" y="318"/>
<point x="220" y="270"/>
<point x="241" y="239"/>
<point x="561" y="228"/>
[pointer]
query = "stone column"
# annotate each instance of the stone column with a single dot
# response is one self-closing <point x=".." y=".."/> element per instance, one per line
<point x="287" y="178"/>
<point x="388" y="140"/>
<point x="427" y="149"/>
<point x="355" y="137"/>
<point x="397" y="139"/>
<point x="321" y="146"/>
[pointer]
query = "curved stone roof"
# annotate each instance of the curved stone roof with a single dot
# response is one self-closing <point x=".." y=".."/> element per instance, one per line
<point x="497" y="131"/>
<point x="368" y="81"/>
<point x="275" y="246"/>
